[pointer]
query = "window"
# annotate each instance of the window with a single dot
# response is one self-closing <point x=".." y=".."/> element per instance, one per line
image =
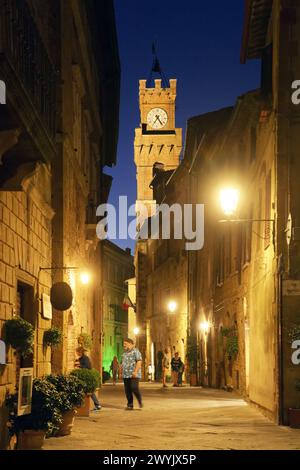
<point x="220" y="261"/>
<point x="228" y="251"/>
<point x="268" y="211"/>
<point x="253" y="139"/>
<point x="26" y="310"/>
<point x="77" y="135"/>
<point x="247" y="240"/>
<point x="259" y="238"/>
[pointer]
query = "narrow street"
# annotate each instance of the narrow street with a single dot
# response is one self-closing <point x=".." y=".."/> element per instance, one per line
<point x="183" y="418"/>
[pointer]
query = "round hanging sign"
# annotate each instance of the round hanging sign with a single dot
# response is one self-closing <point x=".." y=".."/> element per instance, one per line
<point x="61" y="296"/>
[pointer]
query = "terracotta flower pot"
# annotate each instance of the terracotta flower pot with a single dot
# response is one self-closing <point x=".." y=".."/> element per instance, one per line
<point x="84" y="410"/>
<point x="31" y="440"/>
<point x="193" y="380"/>
<point x="12" y="443"/>
<point x="294" y="417"/>
<point x="67" y="423"/>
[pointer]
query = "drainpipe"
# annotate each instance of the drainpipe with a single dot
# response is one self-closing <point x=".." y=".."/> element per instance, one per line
<point x="280" y="414"/>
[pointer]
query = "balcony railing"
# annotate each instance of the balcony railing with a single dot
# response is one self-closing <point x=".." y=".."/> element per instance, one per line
<point x="22" y="48"/>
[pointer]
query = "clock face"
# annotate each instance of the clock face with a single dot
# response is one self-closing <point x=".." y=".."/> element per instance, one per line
<point x="157" y="118"/>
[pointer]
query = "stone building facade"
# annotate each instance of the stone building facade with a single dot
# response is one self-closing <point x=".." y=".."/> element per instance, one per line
<point x="242" y="288"/>
<point x="166" y="282"/>
<point x="118" y="267"/>
<point x="159" y="275"/>
<point x="244" y="283"/>
<point x="87" y="142"/>
<point x="58" y="129"/>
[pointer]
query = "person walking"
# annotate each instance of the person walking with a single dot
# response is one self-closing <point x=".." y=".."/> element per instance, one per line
<point x="84" y="362"/>
<point x="150" y="373"/>
<point x="114" y="367"/>
<point x="165" y="366"/>
<point x="176" y="365"/>
<point x="131" y="372"/>
<point x="180" y="374"/>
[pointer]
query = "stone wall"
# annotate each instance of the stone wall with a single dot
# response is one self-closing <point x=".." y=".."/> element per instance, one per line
<point x="25" y="246"/>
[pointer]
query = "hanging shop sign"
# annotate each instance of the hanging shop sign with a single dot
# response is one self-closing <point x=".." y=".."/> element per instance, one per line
<point x="25" y="392"/>
<point x="2" y="92"/>
<point x="2" y="353"/>
<point x="47" y="307"/>
<point x="61" y="296"/>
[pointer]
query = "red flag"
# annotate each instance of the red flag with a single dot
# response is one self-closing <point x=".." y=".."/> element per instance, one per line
<point x="126" y="303"/>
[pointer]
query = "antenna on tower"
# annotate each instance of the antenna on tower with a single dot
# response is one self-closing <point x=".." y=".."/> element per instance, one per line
<point x="156" y="68"/>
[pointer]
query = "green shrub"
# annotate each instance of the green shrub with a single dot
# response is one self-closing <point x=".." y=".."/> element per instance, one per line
<point x="52" y="337"/>
<point x="232" y="345"/>
<point x="45" y="414"/>
<point x="19" y="334"/>
<point x="89" y="377"/>
<point x="70" y="389"/>
<point x="85" y="341"/>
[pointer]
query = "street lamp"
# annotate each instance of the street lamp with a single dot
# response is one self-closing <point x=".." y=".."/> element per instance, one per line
<point x="136" y="331"/>
<point x="172" y="306"/>
<point x="204" y="327"/>
<point x="229" y="198"/>
<point x="85" y="277"/>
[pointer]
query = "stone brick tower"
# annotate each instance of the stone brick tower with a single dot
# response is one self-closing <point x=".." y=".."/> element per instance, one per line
<point x="156" y="140"/>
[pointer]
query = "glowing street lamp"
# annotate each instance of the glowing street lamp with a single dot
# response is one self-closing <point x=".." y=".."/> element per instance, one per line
<point x="172" y="306"/>
<point x="229" y="199"/>
<point x="85" y="278"/>
<point x="136" y="331"/>
<point x="204" y="327"/>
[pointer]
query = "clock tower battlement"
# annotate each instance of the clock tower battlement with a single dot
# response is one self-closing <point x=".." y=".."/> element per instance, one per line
<point x="158" y="97"/>
<point x="157" y="140"/>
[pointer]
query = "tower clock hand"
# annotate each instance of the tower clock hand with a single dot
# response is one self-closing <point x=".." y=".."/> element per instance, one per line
<point x="158" y="118"/>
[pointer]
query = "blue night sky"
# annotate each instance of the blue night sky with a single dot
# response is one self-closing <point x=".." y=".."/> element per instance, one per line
<point x="198" y="42"/>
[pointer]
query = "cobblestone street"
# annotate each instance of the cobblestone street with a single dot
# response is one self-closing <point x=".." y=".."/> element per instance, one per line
<point x="183" y="418"/>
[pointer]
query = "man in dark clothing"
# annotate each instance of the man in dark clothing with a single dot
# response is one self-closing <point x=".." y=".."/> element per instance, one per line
<point x="176" y="366"/>
<point x="180" y="374"/>
<point x="85" y="363"/>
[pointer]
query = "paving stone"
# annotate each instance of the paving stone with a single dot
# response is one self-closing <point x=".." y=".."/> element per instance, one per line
<point x="172" y="419"/>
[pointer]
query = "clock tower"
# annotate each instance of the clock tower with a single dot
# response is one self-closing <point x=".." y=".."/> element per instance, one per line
<point x="156" y="140"/>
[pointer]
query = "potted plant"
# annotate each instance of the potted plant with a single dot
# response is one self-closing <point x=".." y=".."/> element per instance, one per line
<point x="71" y="392"/>
<point x="232" y="345"/>
<point x="85" y="341"/>
<point x="44" y="419"/>
<point x="90" y="379"/>
<point x="192" y="355"/>
<point x="52" y="337"/>
<point x="19" y="334"/>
